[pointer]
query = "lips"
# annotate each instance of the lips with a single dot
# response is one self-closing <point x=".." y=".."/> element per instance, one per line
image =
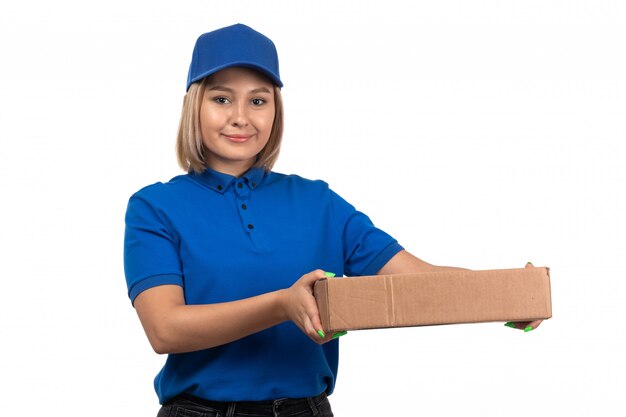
<point x="238" y="138"/>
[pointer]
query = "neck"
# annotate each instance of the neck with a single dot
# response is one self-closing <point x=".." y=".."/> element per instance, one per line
<point x="236" y="170"/>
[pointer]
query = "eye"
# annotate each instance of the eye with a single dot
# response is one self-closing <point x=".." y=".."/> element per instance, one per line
<point x="258" y="101"/>
<point x="218" y="99"/>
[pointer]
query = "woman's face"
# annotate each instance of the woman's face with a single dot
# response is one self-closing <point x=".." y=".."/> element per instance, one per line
<point x="236" y="117"/>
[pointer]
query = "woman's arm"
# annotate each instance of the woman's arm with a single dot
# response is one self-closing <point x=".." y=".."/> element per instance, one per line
<point x="404" y="263"/>
<point x="174" y="327"/>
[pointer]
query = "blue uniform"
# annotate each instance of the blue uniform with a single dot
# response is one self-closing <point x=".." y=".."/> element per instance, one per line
<point x="224" y="238"/>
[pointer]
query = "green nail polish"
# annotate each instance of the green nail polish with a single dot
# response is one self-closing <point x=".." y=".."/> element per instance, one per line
<point x="321" y="333"/>
<point x="529" y="263"/>
<point x="329" y="274"/>
<point x="510" y="324"/>
<point x="528" y="328"/>
<point x="336" y="335"/>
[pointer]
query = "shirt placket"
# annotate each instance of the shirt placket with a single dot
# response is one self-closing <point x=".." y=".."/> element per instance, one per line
<point x="242" y="200"/>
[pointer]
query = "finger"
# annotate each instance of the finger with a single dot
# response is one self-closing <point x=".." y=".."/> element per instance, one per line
<point x="527" y="326"/>
<point x="309" y="279"/>
<point x="310" y="330"/>
<point x="319" y="274"/>
<point x="314" y="316"/>
<point x="532" y="325"/>
<point x="529" y="265"/>
<point x="516" y="324"/>
<point x="339" y="334"/>
<point x="331" y="336"/>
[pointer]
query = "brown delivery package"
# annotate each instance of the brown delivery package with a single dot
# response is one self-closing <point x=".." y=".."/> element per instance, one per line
<point x="431" y="298"/>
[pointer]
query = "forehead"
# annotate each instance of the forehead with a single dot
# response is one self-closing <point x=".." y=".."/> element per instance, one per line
<point x="243" y="75"/>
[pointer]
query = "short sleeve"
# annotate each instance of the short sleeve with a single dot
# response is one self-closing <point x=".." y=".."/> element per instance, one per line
<point x="151" y="255"/>
<point x="366" y="248"/>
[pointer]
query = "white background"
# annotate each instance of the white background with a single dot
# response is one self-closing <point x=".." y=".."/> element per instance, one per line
<point x="480" y="134"/>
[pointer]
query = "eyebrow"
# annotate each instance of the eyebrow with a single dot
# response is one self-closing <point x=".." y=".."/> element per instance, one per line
<point x="222" y="88"/>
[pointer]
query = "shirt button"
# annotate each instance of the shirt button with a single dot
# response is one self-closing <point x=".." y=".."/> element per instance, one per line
<point x="253" y="185"/>
<point x="239" y="185"/>
<point x="219" y="187"/>
<point x="243" y="206"/>
<point x="250" y="226"/>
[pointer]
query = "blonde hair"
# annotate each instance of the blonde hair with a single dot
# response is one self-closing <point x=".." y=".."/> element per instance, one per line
<point x="190" y="150"/>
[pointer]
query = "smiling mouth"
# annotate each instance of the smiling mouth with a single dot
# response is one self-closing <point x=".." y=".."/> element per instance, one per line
<point x="238" y="138"/>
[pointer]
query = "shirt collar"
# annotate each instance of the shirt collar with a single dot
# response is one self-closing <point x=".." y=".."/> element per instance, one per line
<point x="220" y="182"/>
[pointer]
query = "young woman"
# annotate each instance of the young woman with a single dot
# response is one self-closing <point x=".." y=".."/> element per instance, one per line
<point x="220" y="262"/>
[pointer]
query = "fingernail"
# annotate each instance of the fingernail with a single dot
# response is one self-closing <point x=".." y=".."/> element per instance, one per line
<point x="329" y="274"/>
<point x="510" y="324"/>
<point x="321" y="333"/>
<point x="528" y="328"/>
<point x="339" y="334"/>
<point x="529" y="263"/>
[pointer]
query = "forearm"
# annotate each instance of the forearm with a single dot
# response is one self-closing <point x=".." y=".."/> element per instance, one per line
<point x="189" y="328"/>
<point x="405" y="263"/>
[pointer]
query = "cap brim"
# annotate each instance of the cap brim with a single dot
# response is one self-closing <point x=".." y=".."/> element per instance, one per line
<point x="252" y="65"/>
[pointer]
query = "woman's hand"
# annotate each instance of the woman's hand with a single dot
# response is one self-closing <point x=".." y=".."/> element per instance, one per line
<point x="299" y="306"/>
<point x="525" y="325"/>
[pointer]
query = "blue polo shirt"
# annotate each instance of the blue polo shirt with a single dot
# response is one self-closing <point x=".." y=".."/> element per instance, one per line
<point x="224" y="238"/>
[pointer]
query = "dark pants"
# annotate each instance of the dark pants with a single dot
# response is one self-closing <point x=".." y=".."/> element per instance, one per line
<point x="188" y="406"/>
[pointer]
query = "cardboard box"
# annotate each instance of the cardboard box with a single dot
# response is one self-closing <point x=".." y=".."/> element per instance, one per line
<point x="432" y="298"/>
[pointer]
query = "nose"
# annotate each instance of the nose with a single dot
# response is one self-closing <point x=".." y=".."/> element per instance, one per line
<point x="239" y="117"/>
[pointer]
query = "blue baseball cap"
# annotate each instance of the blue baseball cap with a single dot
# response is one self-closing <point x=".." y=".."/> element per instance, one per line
<point x="233" y="46"/>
